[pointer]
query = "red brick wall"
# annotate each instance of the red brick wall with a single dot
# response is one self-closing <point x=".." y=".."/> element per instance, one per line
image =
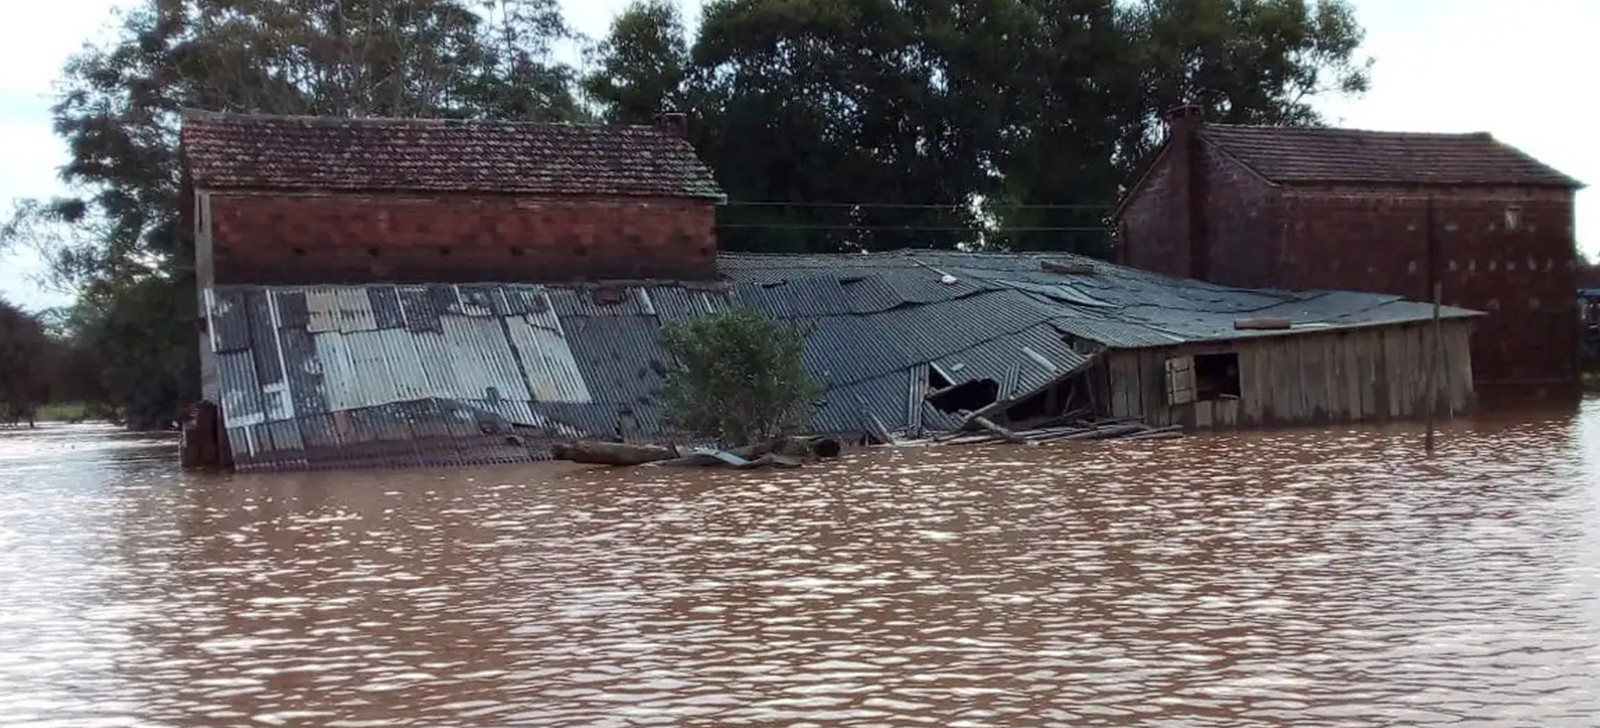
<point x="1375" y="239"/>
<point x="1152" y="231"/>
<point x="1521" y="275"/>
<point x="1154" y="228"/>
<point x="285" y="239"/>
<point x="1241" y="223"/>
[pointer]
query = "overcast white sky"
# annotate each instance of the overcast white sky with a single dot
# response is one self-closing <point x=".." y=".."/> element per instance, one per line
<point x="1516" y="68"/>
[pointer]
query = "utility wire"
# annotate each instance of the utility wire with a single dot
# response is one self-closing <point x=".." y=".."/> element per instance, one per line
<point x="911" y="228"/>
<point x="910" y="205"/>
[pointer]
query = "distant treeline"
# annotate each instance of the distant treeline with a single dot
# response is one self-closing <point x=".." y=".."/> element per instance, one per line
<point x="991" y="123"/>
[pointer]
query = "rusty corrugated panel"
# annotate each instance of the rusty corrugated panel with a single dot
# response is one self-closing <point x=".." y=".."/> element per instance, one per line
<point x="241" y="390"/>
<point x="304" y="372"/>
<point x="445" y="299"/>
<point x="341" y="382"/>
<point x="369" y="354"/>
<point x="482" y="299"/>
<point x="439" y="364"/>
<point x="500" y="361"/>
<point x="322" y="309"/>
<point x="486" y="366"/>
<point x="676" y="303"/>
<point x="385" y="303"/>
<point x="547" y="361"/>
<point x="418" y="309"/>
<point x="290" y="304"/>
<point x="595" y="300"/>
<point x="620" y="356"/>
<point x="229" y="321"/>
<point x="263" y="335"/>
<point x="404" y="364"/>
<point x="473" y="379"/>
<point x="355" y="310"/>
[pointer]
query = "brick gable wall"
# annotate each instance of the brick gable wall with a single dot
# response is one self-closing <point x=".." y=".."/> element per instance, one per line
<point x="347" y="238"/>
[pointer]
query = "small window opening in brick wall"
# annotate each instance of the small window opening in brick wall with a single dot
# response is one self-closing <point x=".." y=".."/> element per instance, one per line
<point x="1513" y="217"/>
<point x="298" y="251"/>
<point x="516" y="251"/>
<point x="444" y="250"/>
<point x="373" y="251"/>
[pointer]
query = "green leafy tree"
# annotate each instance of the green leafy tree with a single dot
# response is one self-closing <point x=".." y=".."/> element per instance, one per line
<point x="1001" y="123"/>
<point x="24" y="369"/>
<point x="739" y="377"/>
<point x="641" y="64"/>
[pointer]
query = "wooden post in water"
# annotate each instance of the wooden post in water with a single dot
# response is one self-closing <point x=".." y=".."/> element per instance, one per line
<point x="1431" y="376"/>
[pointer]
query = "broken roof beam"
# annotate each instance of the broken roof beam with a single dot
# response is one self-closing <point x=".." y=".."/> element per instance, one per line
<point x="1263" y="324"/>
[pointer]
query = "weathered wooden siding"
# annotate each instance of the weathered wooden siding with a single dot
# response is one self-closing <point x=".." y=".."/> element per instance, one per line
<point x="1341" y="376"/>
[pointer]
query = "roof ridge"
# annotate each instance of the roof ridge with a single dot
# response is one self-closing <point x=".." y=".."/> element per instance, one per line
<point x="189" y="113"/>
<point x="1351" y="130"/>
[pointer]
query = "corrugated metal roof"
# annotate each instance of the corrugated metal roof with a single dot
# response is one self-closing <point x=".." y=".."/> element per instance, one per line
<point x="438" y="374"/>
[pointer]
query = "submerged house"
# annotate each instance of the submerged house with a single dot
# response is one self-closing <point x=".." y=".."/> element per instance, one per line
<point x="414" y="360"/>
<point x="1386" y="212"/>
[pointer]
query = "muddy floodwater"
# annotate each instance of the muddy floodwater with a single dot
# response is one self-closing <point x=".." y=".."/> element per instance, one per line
<point x="1301" y="578"/>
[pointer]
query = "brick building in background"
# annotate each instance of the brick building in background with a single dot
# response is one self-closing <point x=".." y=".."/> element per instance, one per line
<point x="301" y="200"/>
<point x="1359" y="210"/>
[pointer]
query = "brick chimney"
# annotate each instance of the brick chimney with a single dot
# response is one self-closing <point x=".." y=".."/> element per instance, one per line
<point x="673" y="123"/>
<point x="1189" y="170"/>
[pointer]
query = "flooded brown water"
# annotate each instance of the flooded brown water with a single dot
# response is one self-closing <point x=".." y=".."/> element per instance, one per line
<point x="1287" y="579"/>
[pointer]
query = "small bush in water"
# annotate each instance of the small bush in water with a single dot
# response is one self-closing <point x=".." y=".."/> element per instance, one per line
<point x="738" y="377"/>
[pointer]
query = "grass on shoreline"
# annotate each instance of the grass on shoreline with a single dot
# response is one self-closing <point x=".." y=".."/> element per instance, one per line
<point x="63" y="412"/>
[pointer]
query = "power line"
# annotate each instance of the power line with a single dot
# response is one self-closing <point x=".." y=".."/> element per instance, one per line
<point x="911" y="228"/>
<point x="910" y="205"/>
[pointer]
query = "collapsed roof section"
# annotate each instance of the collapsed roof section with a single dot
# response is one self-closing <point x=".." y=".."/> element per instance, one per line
<point x="383" y="375"/>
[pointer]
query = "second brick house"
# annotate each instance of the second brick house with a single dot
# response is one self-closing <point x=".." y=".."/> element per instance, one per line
<point x="1320" y="208"/>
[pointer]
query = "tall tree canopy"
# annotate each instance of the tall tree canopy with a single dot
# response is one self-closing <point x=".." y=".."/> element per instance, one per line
<point x="999" y="123"/>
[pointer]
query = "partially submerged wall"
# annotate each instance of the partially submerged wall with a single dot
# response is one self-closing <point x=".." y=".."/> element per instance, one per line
<point x="1361" y="375"/>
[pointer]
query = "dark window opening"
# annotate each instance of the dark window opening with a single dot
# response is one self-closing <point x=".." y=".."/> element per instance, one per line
<point x="445" y="250"/>
<point x="372" y="252"/>
<point x="1216" y="376"/>
<point x="582" y="251"/>
<point x="298" y="251"/>
<point x="516" y="252"/>
<point x="969" y="396"/>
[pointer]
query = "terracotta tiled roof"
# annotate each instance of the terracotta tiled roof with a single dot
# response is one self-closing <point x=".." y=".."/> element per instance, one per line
<point x="1295" y="154"/>
<point x="230" y="151"/>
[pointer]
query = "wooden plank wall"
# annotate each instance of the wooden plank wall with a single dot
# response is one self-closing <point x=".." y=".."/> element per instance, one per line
<point x="1350" y="376"/>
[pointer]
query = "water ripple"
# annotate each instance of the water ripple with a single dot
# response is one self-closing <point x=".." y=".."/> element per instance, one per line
<point x="1284" y="579"/>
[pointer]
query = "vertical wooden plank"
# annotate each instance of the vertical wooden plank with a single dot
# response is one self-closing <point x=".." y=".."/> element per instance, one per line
<point x="1332" y="378"/>
<point x="1393" y="355"/>
<point x="1249" y="381"/>
<point x="1119" y="386"/>
<point x="1289" y="391"/>
<point x="1203" y="414"/>
<point x="1352" y="376"/>
<point x="1153" y="366"/>
<point x="1227" y="413"/>
<point x="1315" y="379"/>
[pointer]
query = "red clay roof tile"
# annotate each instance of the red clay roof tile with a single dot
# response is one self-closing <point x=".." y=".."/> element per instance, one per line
<point x="235" y="151"/>
<point x="1299" y="154"/>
